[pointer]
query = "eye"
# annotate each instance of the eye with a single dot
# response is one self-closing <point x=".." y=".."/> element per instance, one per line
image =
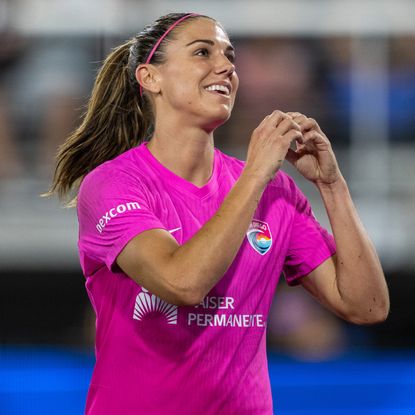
<point x="202" y="52"/>
<point x="205" y="52"/>
<point x="231" y="56"/>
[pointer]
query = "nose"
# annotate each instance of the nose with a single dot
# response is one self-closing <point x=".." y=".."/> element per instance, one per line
<point x="224" y="66"/>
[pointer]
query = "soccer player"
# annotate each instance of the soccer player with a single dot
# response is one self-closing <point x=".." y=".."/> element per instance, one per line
<point x="182" y="246"/>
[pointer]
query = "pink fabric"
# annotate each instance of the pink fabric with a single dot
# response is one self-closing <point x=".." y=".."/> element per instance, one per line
<point x="161" y="39"/>
<point x="154" y="358"/>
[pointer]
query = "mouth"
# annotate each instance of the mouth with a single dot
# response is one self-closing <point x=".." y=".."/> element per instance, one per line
<point x="216" y="89"/>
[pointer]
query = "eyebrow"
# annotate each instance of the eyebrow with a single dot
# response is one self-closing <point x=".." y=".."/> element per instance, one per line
<point x="209" y="42"/>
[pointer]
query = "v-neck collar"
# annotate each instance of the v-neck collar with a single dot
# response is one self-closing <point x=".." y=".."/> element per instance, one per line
<point x="178" y="182"/>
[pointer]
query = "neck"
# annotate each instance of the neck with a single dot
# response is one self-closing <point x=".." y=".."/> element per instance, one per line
<point x="187" y="151"/>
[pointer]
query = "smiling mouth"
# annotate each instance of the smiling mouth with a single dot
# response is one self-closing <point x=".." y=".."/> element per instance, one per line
<point x="219" y="90"/>
<point x="219" y="94"/>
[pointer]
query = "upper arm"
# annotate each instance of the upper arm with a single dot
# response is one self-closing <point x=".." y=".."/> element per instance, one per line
<point x="310" y="245"/>
<point x="115" y="215"/>
<point x="147" y="259"/>
<point x="322" y="284"/>
<point x="120" y="228"/>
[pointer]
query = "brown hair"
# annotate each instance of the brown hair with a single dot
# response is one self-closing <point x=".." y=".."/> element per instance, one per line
<point x="116" y="118"/>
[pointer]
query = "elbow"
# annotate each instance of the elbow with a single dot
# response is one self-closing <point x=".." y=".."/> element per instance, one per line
<point x="374" y="310"/>
<point x="370" y="317"/>
<point x="185" y="295"/>
<point x="178" y="297"/>
<point x="381" y="315"/>
<point x="384" y="313"/>
<point x="183" y="284"/>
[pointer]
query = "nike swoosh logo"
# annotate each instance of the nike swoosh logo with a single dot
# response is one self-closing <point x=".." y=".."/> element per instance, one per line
<point x="174" y="230"/>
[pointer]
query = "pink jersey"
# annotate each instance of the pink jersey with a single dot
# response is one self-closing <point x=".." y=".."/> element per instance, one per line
<point x="154" y="358"/>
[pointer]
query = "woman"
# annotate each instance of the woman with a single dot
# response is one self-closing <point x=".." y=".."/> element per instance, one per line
<point x="182" y="246"/>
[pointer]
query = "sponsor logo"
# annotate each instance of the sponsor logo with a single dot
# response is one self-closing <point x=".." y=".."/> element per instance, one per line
<point x="226" y="320"/>
<point x="259" y="236"/>
<point x="146" y="303"/>
<point x="115" y="211"/>
<point x="231" y="319"/>
<point x="175" y="230"/>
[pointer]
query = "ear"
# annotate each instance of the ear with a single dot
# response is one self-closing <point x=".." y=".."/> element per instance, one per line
<point x="147" y="77"/>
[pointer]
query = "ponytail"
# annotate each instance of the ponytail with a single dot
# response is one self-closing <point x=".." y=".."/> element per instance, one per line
<point x="117" y="117"/>
<point x="113" y="123"/>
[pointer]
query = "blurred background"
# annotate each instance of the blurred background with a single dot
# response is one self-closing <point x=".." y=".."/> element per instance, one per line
<point x="349" y="64"/>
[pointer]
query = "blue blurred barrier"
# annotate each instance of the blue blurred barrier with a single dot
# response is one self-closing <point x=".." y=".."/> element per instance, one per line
<point x="55" y="381"/>
<point x="43" y="381"/>
<point x="355" y="384"/>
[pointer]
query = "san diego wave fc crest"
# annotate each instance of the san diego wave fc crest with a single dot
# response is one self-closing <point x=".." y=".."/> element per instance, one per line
<point x="259" y="236"/>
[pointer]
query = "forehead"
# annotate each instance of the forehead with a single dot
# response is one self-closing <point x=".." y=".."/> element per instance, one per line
<point x="200" y="28"/>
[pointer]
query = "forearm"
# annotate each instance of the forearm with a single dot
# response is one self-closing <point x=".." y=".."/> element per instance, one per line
<point x="202" y="261"/>
<point x="359" y="276"/>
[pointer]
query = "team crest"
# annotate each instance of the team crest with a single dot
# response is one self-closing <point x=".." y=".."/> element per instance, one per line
<point x="259" y="236"/>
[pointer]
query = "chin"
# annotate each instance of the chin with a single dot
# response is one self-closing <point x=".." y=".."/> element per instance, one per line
<point x="217" y="121"/>
<point x="222" y="114"/>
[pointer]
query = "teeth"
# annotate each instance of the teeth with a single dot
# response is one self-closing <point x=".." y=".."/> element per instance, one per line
<point x="222" y="88"/>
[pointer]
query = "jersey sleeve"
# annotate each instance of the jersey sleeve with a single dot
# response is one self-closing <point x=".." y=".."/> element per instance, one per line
<point x="310" y="244"/>
<point x="112" y="207"/>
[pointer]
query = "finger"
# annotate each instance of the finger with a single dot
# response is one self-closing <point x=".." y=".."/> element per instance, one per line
<point x="270" y="121"/>
<point x="275" y="117"/>
<point x="295" y="114"/>
<point x="286" y="125"/>
<point x="315" y="137"/>
<point x="292" y="135"/>
<point x="314" y="141"/>
<point x="308" y="124"/>
<point x="302" y="122"/>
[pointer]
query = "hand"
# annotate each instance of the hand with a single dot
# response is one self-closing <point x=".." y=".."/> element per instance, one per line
<point x="314" y="157"/>
<point x="269" y="144"/>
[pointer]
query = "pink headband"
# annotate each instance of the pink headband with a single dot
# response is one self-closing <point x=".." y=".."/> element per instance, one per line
<point x="161" y="39"/>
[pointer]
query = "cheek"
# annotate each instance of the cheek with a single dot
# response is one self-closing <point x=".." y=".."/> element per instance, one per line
<point x="236" y="82"/>
<point x="183" y="83"/>
<point x="184" y="88"/>
<point x="182" y="95"/>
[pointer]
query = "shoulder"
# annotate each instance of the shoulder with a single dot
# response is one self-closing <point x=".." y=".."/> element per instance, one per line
<point x="125" y="165"/>
<point x="123" y="171"/>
